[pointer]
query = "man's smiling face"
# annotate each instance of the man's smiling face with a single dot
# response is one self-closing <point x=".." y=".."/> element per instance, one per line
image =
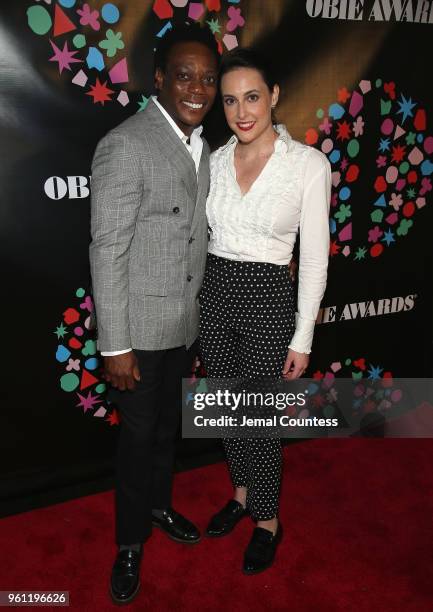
<point x="188" y="85"/>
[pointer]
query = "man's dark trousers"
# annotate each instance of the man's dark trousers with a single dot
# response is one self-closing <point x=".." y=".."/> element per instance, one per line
<point x="150" y="418"/>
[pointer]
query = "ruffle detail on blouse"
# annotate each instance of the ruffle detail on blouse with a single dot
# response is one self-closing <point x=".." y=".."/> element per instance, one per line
<point x="279" y="187"/>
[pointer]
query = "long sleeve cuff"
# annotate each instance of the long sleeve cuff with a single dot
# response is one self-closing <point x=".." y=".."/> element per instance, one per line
<point x="303" y="337"/>
<point x="114" y="353"/>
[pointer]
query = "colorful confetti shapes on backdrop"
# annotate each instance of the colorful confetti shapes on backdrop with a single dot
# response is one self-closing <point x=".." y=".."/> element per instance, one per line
<point x="402" y="180"/>
<point x="101" y="68"/>
<point x="79" y="363"/>
<point x="373" y="388"/>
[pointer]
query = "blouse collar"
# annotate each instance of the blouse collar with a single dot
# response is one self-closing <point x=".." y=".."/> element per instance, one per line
<point x="282" y="143"/>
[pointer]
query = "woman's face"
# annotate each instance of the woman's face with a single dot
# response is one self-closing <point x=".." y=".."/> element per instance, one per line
<point x="247" y="103"/>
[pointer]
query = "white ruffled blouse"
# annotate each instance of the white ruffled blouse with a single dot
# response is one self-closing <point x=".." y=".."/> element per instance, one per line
<point x="292" y="193"/>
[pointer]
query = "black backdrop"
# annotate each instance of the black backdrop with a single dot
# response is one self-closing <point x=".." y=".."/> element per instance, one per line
<point x="50" y="126"/>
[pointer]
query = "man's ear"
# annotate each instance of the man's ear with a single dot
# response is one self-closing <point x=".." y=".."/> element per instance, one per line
<point x="159" y="79"/>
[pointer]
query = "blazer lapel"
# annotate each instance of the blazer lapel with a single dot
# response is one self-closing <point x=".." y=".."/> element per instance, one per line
<point x="173" y="149"/>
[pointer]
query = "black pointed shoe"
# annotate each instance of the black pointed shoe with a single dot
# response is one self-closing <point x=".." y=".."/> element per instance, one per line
<point x="125" y="576"/>
<point x="226" y="519"/>
<point x="177" y="527"/>
<point x="260" y="552"/>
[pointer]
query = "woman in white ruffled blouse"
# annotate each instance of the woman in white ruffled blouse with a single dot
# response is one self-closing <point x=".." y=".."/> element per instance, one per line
<point x="265" y="187"/>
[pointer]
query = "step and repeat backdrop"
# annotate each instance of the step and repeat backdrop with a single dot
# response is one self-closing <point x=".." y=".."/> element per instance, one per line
<point x="355" y="78"/>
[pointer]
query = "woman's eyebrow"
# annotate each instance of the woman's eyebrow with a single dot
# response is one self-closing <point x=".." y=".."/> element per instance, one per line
<point x="247" y="93"/>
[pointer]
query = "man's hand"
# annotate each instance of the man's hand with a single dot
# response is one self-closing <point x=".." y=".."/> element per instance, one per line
<point x="121" y="371"/>
<point x="295" y="365"/>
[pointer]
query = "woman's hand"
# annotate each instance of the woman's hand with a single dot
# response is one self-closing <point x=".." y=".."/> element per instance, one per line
<point x="295" y="365"/>
<point x="293" y="268"/>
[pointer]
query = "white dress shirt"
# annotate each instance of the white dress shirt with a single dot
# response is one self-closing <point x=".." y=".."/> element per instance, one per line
<point x="195" y="148"/>
<point x="292" y="193"/>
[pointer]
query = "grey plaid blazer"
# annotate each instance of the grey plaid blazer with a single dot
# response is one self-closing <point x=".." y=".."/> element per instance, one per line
<point x="149" y="235"/>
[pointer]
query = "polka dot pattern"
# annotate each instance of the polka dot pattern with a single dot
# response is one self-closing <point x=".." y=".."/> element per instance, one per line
<point x="247" y="322"/>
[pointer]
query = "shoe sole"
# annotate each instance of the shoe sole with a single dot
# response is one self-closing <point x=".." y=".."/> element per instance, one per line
<point x="252" y="572"/>
<point x="220" y="535"/>
<point x="172" y="537"/>
<point x="122" y="602"/>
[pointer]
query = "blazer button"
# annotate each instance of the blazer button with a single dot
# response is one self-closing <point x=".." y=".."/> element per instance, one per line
<point x="176" y="210"/>
<point x="189" y="278"/>
<point x="191" y="240"/>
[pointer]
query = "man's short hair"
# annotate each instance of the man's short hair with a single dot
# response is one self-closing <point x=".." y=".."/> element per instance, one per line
<point x="187" y="32"/>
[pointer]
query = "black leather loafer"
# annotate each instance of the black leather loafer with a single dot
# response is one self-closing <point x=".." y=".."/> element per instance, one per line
<point x="177" y="527"/>
<point x="226" y="519"/>
<point x="125" y="576"/>
<point x="260" y="552"/>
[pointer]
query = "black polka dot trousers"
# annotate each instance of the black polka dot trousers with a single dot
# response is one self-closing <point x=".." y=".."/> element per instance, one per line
<point x="247" y="320"/>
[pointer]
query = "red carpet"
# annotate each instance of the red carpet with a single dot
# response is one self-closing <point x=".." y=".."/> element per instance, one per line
<point x="358" y="518"/>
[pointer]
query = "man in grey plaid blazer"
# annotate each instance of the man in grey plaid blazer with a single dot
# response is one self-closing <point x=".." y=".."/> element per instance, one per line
<point x="150" y="180"/>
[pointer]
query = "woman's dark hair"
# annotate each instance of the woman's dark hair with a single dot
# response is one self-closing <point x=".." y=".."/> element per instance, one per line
<point x="248" y="58"/>
<point x="187" y="32"/>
